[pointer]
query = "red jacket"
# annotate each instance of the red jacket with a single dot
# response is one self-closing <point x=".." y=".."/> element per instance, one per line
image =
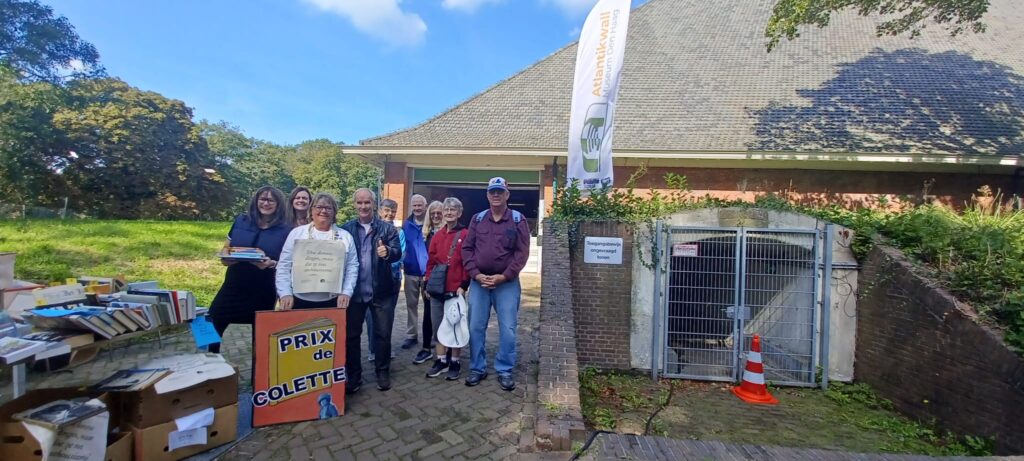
<point x="438" y="254"/>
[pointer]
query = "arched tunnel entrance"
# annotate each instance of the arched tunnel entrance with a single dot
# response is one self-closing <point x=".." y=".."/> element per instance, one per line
<point x="724" y="285"/>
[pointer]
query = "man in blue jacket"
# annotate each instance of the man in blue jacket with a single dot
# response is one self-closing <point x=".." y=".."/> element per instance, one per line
<point x="377" y="246"/>
<point x="415" y="267"/>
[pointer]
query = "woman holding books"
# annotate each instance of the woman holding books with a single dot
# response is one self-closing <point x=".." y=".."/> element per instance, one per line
<point x="249" y="285"/>
<point x="298" y="206"/>
<point x="446" y="248"/>
<point x="329" y="284"/>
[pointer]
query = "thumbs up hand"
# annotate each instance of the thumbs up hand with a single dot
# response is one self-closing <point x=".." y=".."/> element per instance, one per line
<point x="382" y="251"/>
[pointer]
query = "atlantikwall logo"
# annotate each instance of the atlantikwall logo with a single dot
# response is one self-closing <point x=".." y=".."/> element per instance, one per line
<point x="592" y="136"/>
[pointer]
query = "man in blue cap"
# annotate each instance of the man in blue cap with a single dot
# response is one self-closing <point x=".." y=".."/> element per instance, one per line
<point x="495" y="251"/>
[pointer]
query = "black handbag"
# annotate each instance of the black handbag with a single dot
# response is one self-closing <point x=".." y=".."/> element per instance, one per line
<point x="439" y="274"/>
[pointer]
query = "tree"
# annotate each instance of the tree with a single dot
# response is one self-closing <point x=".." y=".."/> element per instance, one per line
<point x="246" y="164"/>
<point x="137" y="155"/>
<point x="911" y="15"/>
<point x="319" y="165"/>
<point x="30" y="147"/>
<point x="40" y="46"/>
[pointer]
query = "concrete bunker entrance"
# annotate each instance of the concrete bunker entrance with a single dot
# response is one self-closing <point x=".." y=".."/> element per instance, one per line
<point x="730" y="274"/>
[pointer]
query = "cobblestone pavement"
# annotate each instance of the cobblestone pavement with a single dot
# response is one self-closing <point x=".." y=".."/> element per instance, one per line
<point x="624" y="446"/>
<point x="419" y="418"/>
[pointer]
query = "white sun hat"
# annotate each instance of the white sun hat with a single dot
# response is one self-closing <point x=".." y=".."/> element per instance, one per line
<point x="454" y="329"/>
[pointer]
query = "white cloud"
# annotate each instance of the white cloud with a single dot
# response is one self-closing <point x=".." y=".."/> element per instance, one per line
<point x="468" y="6"/>
<point x="574" y="7"/>
<point x="381" y="19"/>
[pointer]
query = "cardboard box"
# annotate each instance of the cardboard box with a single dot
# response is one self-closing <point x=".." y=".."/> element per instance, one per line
<point x="151" y="443"/>
<point x="119" y="447"/>
<point x="146" y="408"/>
<point x="16" y="444"/>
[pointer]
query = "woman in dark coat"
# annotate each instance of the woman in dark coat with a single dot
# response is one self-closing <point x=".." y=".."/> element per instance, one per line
<point x="249" y="286"/>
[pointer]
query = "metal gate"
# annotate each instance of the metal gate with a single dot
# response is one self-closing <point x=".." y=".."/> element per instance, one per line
<point x="723" y="286"/>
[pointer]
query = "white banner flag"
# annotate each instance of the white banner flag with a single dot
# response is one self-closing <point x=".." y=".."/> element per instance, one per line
<point x="595" y="88"/>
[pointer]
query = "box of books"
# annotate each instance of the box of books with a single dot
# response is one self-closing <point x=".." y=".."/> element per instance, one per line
<point x="187" y="435"/>
<point x="149" y="398"/>
<point x="59" y="415"/>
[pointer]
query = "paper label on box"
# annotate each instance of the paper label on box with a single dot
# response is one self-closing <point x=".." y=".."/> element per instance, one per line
<point x="178" y="439"/>
<point x="198" y="419"/>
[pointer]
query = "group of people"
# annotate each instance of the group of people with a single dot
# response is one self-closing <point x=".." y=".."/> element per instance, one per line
<point x="480" y="262"/>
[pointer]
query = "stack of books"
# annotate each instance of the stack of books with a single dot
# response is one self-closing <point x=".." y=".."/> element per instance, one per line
<point x="242" y="254"/>
<point x="134" y="310"/>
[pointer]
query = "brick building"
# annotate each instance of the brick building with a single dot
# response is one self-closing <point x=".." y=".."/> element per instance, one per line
<point x="838" y="114"/>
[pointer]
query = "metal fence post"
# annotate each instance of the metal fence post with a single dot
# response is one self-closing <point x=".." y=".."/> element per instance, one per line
<point x="656" y="310"/>
<point x="826" y="301"/>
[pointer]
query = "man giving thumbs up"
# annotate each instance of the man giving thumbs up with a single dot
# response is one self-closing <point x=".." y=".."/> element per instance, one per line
<point x="378" y="246"/>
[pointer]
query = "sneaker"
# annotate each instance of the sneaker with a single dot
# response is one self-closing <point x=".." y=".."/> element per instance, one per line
<point x="371" y="357"/>
<point x="506" y="382"/>
<point x="454" y="370"/>
<point x="474" y="378"/>
<point x="423" y="356"/>
<point x="383" y="380"/>
<point x="438" y="368"/>
<point x="409" y="343"/>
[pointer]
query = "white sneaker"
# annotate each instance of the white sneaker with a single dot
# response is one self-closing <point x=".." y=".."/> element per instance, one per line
<point x="371" y="357"/>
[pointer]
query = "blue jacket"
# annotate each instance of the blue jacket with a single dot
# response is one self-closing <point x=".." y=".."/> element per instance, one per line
<point x="415" y="248"/>
<point x="396" y="267"/>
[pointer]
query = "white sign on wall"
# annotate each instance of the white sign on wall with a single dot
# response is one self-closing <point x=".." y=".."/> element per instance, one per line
<point x="602" y="250"/>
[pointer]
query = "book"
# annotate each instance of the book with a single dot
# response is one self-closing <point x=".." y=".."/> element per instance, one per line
<point x="289" y="363"/>
<point x="136" y="311"/>
<point x="124" y="319"/>
<point x="132" y="380"/>
<point x="166" y="302"/>
<point x="242" y="254"/>
<point x="72" y="338"/>
<point x="60" y="413"/>
<point x="87" y="322"/>
<point x="13" y="350"/>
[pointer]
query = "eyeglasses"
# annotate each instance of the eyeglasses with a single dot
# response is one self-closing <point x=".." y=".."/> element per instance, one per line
<point x="267" y="200"/>
<point x="436" y="213"/>
<point x="322" y="208"/>
<point x="448" y="208"/>
<point x="496" y="192"/>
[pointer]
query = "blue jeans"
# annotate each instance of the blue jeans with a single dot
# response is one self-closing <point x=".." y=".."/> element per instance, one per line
<point x="505" y="299"/>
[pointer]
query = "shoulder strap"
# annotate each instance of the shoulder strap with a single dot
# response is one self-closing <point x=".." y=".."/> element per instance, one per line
<point x="451" y="250"/>
<point x="516" y="216"/>
<point x="480" y="216"/>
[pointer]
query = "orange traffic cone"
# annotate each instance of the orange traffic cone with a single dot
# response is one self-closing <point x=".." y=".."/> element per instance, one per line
<point x="753" y="389"/>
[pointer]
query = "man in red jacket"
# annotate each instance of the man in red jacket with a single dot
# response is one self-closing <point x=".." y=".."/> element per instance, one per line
<point x="495" y="251"/>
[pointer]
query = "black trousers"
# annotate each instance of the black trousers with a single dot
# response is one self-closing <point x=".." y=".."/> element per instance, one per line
<point x="428" y="328"/>
<point x="383" y="314"/>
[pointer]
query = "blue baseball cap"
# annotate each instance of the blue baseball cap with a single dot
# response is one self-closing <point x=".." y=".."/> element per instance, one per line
<point x="497" y="182"/>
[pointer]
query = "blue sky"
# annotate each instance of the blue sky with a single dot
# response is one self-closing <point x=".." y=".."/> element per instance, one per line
<point x="346" y="70"/>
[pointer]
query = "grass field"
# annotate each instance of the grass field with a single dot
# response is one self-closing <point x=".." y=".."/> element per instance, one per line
<point x="179" y="255"/>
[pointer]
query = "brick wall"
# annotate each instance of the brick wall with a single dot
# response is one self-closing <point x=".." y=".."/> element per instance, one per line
<point x="602" y="299"/>
<point x="920" y="348"/>
<point x="559" y="416"/>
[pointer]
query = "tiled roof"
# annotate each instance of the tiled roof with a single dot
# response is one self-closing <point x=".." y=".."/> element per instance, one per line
<point x="697" y="78"/>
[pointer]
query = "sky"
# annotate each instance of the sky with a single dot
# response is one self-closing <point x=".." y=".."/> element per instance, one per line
<point x="292" y="70"/>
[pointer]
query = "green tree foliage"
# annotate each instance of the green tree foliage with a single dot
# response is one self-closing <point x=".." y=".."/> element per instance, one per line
<point x="29" y="144"/>
<point x="39" y="46"/>
<point x="908" y="16"/>
<point x="137" y="155"/>
<point x="245" y="163"/>
<point x="320" y="166"/>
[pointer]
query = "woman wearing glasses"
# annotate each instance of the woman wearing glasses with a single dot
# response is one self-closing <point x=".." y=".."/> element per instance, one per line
<point x="249" y="286"/>
<point x="300" y="289"/>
